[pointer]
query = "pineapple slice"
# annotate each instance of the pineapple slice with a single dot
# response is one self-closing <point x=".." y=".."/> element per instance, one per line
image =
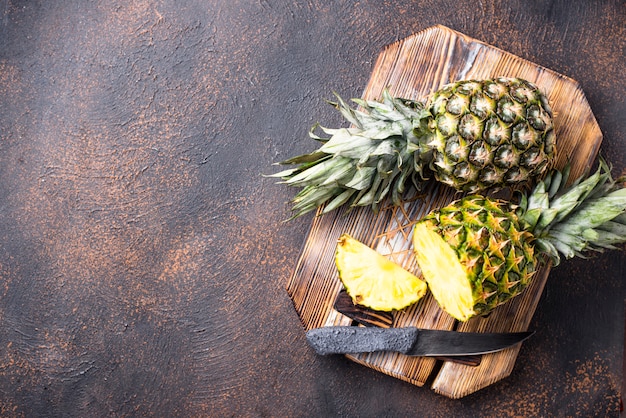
<point x="446" y="277"/>
<point x="372" y="280"/>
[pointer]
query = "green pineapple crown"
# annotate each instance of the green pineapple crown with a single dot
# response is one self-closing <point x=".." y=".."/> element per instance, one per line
<point x="471" y="135"/>
<point x="566" y="221"/>
<point x="361" y="164"/>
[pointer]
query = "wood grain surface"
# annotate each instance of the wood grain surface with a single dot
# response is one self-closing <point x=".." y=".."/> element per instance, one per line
<point x="413" y="68"/>
<point x="143" y="257"/>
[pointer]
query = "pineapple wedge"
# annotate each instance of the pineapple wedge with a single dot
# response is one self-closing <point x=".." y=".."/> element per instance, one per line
<point x="448" y="282"/>
<point x="374" y="281"/>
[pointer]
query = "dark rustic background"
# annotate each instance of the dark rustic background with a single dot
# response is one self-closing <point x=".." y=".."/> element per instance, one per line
<point x="142" y="255"/>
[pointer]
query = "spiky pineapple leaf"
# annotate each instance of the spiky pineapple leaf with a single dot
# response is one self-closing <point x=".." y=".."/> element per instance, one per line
<point x="590" y="215"/>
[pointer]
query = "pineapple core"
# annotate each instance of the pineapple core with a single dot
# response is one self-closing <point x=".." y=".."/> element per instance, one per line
<point x="372" y="280"/>
<point x="446" y="277"/>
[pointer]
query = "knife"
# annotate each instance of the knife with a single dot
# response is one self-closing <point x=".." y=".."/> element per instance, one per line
<point x="370" y="317"/>
<point x="409" y="340"/>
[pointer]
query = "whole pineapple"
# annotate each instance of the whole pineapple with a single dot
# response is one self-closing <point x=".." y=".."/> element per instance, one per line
<point x="472" y="135"/>
<point x="477" y="253"/>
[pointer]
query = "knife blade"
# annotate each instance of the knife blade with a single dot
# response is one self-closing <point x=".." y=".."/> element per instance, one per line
<point x="409" y="340"/>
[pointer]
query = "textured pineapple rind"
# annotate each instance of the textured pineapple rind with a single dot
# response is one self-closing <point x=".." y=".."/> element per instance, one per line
<point x="487" y="133"/>
<point x="496" y="254"/>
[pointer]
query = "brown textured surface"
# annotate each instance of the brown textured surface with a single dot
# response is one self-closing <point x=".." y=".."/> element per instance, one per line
<point x="142" y="257"/>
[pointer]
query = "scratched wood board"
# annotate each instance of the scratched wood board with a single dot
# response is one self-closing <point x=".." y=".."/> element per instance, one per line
<point x="413" y="68"/>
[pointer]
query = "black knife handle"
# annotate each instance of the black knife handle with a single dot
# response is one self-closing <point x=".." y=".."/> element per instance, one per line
<point x="352" y="340"/>
<point x="364" y="316"/>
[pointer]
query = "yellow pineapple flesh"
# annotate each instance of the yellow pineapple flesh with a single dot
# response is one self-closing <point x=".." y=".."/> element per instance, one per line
<point x="450" y="286"/>
<point x="374" y="281"/>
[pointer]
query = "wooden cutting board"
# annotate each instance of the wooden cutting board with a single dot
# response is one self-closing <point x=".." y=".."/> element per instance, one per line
<point x="413" y="68"/>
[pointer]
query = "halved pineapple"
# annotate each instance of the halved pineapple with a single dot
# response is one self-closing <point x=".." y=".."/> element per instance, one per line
<point x="374" y="281"/>
<point x="474" y="255"/>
